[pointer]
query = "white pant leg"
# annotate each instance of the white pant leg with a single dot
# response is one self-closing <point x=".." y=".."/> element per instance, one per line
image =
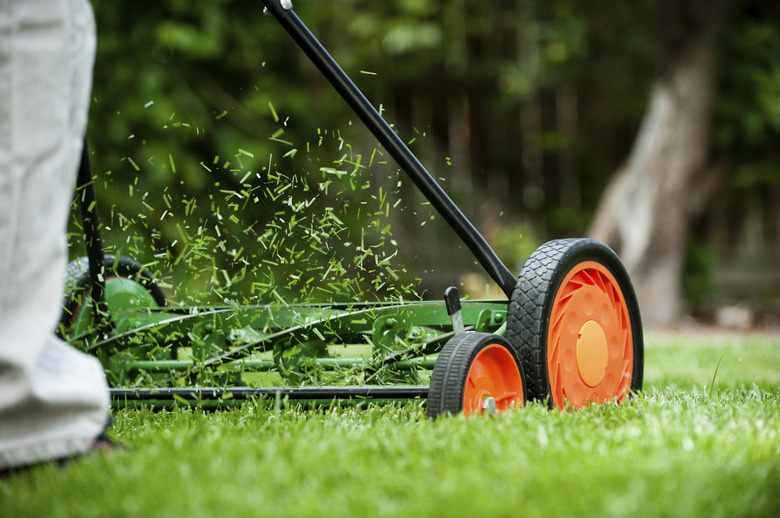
<point x="53" y="399"/>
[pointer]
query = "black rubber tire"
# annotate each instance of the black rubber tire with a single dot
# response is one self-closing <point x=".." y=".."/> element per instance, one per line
<point x="449" y="377"/>
<point x="528" y="316"/>
<point x="78" y="284"/>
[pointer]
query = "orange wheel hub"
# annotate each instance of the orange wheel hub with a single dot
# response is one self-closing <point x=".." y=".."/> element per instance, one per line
<point x="493" y="382"/>
<point x="589" y="342"/>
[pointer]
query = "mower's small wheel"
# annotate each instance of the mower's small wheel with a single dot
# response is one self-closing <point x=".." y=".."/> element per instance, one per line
<point x="78" y="287"/>
<point x="574" y="320"/>
<point x="475" y="373"/>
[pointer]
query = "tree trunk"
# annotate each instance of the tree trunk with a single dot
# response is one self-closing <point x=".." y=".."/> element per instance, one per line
<point x="645" y="211"/>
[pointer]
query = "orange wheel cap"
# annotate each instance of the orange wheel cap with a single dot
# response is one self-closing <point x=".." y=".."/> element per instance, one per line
<point x="592" y="353"/>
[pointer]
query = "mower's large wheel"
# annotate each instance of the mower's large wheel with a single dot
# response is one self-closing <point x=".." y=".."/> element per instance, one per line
<point x="574" y="320"/>
<point x="78" y="286"/>
<point x="475" y="373"/>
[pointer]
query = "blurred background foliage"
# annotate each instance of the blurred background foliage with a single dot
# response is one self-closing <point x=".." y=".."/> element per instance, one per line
<point x="227" y="165"/>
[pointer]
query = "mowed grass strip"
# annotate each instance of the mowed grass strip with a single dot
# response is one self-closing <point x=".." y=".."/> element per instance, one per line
<point x="681" y="449"/>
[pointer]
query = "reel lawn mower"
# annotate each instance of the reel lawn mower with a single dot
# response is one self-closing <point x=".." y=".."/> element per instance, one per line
<point x="570" y="333"/>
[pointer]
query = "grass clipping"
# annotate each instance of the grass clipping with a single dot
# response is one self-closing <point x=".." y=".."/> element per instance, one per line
<point x="290" y="226"/>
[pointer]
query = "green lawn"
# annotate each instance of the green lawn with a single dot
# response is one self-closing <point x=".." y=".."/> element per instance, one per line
<point x="682" y="448"/>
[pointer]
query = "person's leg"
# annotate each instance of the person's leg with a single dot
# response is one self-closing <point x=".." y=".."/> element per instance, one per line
<point x="53" y="399"/>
